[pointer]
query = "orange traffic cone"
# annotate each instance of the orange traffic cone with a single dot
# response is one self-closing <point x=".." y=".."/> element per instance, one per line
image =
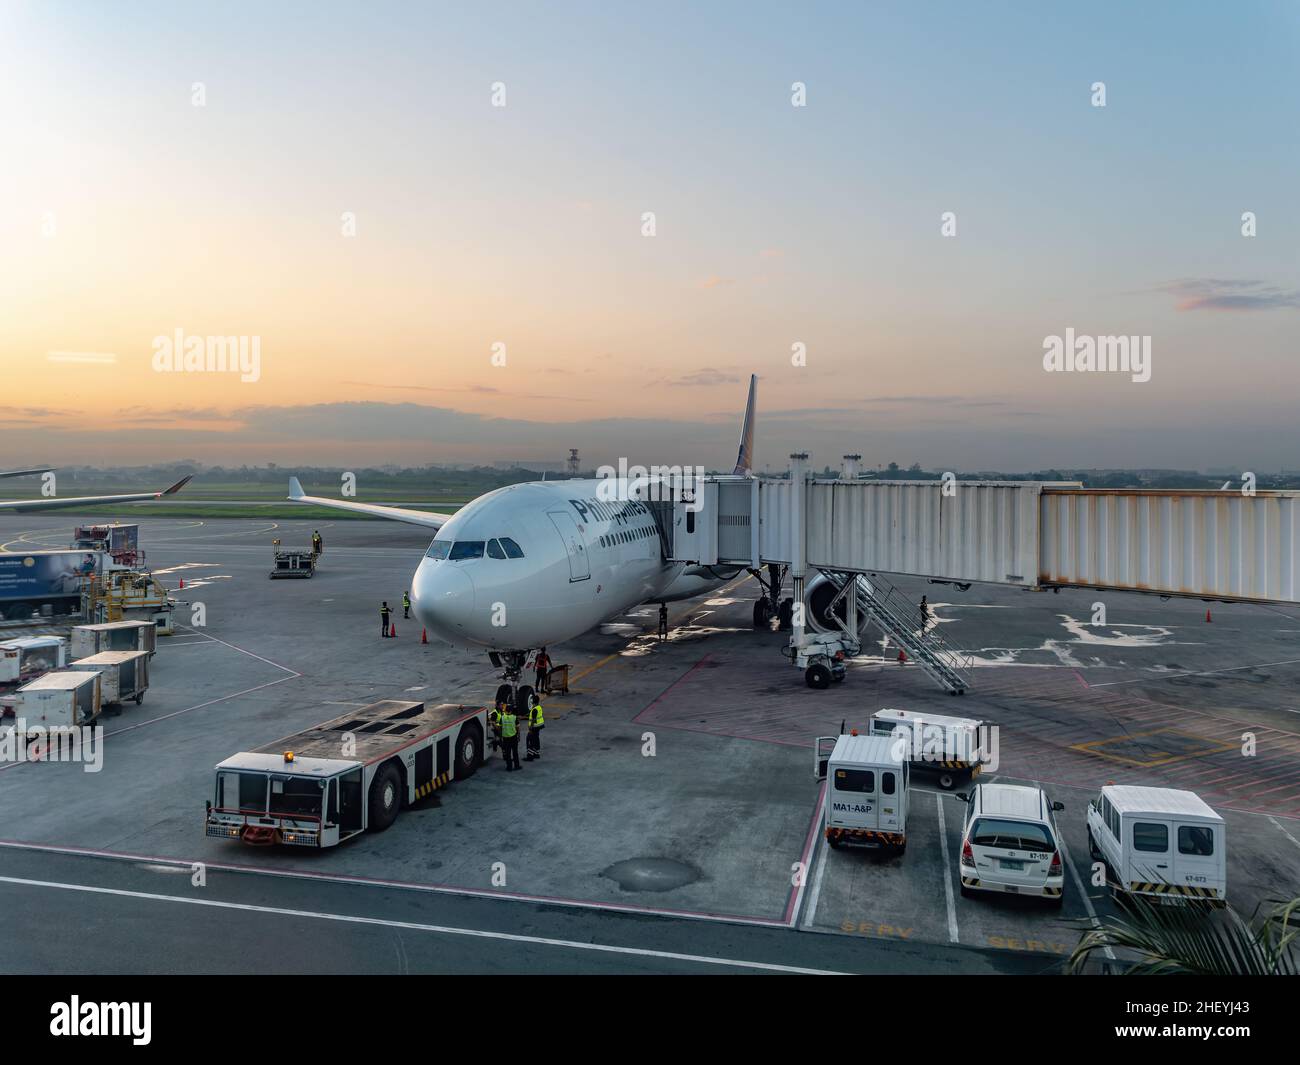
<point x="902" y="656"/>
<point x="182" y="582"/>
<point x="1207" y="617"/>
<point x="392" y="631"/>
<point x="424" y="635"/>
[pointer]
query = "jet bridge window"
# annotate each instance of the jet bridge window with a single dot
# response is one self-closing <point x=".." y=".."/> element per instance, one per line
<point x="438" y="549"/>
<point x="463" y="549"/>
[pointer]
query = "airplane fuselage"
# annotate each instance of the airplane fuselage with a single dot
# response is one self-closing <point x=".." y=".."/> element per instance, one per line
<point x="535" y="564"/>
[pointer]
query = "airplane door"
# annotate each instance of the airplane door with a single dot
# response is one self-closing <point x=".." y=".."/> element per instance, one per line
<point x="579" y="567"/>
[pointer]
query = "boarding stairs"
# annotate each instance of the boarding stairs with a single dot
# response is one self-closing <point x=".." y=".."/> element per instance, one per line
<point x="880" y="603"/>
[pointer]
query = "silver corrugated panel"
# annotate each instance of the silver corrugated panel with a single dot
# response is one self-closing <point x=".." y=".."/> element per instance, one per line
<point x="1213" y="544"/>
<point x="984" y="531"/>
<point x="775" y="532"/>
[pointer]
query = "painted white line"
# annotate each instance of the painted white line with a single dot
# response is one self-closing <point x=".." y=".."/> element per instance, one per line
<point x="197" y="706"/>
<point x="813" y="898"/>
<point x="1083" y="894"/>
<point x="947" y="873"/>
<point x="242" y="651"/>
<point x="1284" y="831"/>
<point x="445" y="930"/>
<point x="1156" y="677"/>
<point x="398" y="885"/>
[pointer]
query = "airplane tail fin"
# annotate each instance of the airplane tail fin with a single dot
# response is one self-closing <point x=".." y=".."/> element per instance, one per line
<point x="177" y="486"/>
<point x="295" y="488"/>
<point x="745" y="457"/>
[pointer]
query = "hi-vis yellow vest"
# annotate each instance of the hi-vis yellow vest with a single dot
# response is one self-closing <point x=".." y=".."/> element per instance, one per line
<point x="535" y="716"/>
<point x="509" y="729"/>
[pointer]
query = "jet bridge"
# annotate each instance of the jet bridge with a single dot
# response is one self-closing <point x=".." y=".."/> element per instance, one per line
<point x="1222" y="546"/>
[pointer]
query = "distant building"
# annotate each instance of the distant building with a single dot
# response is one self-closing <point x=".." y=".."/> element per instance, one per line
<point x="528" y="464"/>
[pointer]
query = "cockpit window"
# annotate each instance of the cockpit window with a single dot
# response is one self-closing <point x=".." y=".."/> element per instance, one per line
<point x="512" y="549"/>
<point x="494" y="550"/>
<point x="463" y="549"/>
<point x="438" y="549"/>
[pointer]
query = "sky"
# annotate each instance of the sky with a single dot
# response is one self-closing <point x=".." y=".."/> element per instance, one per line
<point x="430" y="277"/>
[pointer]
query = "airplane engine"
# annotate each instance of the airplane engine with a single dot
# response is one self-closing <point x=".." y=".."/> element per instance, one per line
<point x="817" y="597"/>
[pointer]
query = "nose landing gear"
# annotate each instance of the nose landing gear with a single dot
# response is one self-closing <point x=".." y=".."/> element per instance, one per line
<point x="510" y="692"/>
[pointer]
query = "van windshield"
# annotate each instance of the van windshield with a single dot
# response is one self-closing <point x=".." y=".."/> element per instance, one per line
<point x="1013" y="835"/>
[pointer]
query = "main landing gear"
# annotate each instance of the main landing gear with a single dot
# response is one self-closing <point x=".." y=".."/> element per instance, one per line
<point x="771" y="605"/>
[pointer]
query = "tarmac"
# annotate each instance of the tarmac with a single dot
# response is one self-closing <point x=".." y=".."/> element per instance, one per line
<point x="672" y="822"/>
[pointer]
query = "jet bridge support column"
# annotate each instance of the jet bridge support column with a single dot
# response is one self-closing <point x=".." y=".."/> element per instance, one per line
<point x="798" y="543"/>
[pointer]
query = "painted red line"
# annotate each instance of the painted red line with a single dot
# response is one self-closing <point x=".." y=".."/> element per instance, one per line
<point x="650" y="705"/>
<point x="410" y="885"/>
<point x="807" y="855"/>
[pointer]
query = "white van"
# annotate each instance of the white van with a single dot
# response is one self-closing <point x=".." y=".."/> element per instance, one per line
<point x="1159" y="842"/>
<point x="867" y="792"/>
<point x="1010" y="843"/>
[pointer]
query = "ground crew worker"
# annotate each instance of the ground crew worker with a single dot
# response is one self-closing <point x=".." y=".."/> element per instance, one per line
<point x="383" y="618"/>
<point x="406" y="604"/>
<point x="510" y="739"/>
<point x="494" y="721"/>
<point x="317" y="544"/>
<point x="536" y="722"/>
<point x="925" y="615"/>
<point x="663" y="621"/>
<point x="542" y="663"/>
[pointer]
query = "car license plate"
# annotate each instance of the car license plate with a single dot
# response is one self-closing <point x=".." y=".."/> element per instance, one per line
<point x="1012" y="889"/>
<point x="1011" y="863"/>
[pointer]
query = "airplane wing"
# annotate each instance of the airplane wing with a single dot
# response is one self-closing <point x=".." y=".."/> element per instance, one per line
<point x="426" y="518"/>
<point x="88" y="501"/>
<point x="24" y="473"/>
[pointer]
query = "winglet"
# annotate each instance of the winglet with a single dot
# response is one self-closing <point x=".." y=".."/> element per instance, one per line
<point x="176" y="487"/>
<point x="745" y="456"/>
<point x="295" y="489"/>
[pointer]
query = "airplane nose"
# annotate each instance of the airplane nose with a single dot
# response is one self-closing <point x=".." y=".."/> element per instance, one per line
<point x="443" y="599"/>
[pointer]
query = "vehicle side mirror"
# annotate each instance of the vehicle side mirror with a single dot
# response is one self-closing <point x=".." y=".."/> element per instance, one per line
<point x="1058" y="806"/>
<point x="964" y="796"/>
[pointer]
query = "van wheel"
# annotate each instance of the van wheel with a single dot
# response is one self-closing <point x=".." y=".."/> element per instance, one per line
<point x="1093" y="852"/>
<point x="818" y="676"/>
<point x="1057" y="902"/>
<point x="469" y="749"/>
<point x="966" y="892"/>
<point x="139" y="698"/>
<point x="947" y="781"/>
<point x="385" y="797"/>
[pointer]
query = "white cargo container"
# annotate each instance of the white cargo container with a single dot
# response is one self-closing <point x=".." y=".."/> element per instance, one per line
<point x="867" y="791"/>
<point x="62" y="699"/>
<point x="90" y="640"/>
<point x="123" y="675"/>
<point x="24" y="660"/>
<point x="1159" y="842"/>
<point x="950" y="747"/>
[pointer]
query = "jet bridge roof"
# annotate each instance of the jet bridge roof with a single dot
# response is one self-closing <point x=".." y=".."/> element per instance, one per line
<point x="1214" y="545"/>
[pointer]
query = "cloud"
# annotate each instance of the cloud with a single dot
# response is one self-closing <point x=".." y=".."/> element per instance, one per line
<point x="770" y="253"/>
<point x="714" y="281"/>
<point x="1217" y="294"/>
<point x="705" y="377"/>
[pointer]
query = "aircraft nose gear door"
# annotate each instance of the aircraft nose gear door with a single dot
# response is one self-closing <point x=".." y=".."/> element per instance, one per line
<point x="579" y="567"/>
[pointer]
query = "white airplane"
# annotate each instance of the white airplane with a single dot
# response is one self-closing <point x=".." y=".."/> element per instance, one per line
<point x="52" y="502"/>
<point x="534" y="564"/>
